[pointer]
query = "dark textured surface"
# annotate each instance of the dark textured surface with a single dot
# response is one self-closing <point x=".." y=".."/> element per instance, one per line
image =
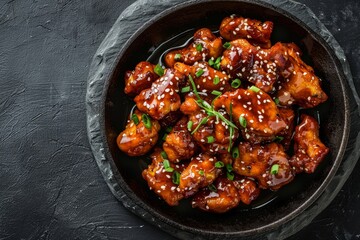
<point x="50" y="186"/>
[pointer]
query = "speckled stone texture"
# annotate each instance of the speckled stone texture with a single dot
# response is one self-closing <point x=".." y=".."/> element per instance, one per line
<point x="50" y="186"/>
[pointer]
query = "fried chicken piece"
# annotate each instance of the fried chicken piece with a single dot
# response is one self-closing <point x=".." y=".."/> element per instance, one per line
<point x="288" y="115"/>
<point x="308" y="148"/>
<point x="258" y="111"/>
<point x="299" y="83"/>
<point x="212" y="136"/>
<point x="200" y="173"/>
<point x="256" y="32"/>
<point x="139" y="79"/>
<point x="205" y="82"/>
<point x="179" y="144"/>
<point x="137" y="139"/>
<point x="160" y="180"/>
<point x="251" y="63"/>
<point x="162" y="98"/>
<point x="256" y="161"/>
<point x="226" y="194"/>
<point x="205" y="46"/>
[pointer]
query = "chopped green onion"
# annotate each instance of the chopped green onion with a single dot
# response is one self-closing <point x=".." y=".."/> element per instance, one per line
<point x="199" y="47"/>
<point x="201" y="172"/>
<point x="236" y="83"/>
<point x="135" y="118"/>
<point x="254" y="89"/>
<point x="189" y="125"/>
<point x="277" y="101"/>
<point x="185" y="89"/>
<point x="230" y="176"/>
<point x="164" y="137"/>
<point x="159" y="70"/>
<point x="216" y="93"/>
<point x="227" y="45"/>
<point x="177" y="56"/>
<point x="217" y="63"/>
<point x="166" y="163"/>
<point x="164" y="155"/>
<point x="242" y="121"/>
<point x="231" y="130"/>
<point x="199" y="72"/>
<point x="211" y="62"/>
<point x="218" y="60"/>
<point x="202" y="122"/>
<point x="210" y="139"/>
<point x="219" y="164"/>
<point x="168" y="129"/>
<point x="212" y="188"/>
<point x="229" y="167"/>
<point x="274" y="169"/>
<point x="278" y="139"/>
<point x="176" y="177"/>
<point x="146" y="120"/>
<point x="216" y="80"/>
<point x="235" y="152"/>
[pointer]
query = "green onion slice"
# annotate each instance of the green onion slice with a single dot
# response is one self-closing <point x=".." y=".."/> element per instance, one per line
<point x="219" y="164"/>
<point x="176" y="177"/>
<point x="168" y="129"/>
<point x="185" y="89"/>
<point x="277" y="101"/>
<point x="230" y="176"/>
<point x="274" y="169"/>
<point x="164" y="155"/>
<point x="212" y="188"/>
<point x="202" y="122"/>
<point x="254" y="89"/>
<point x="177" y="56"/>
<point x="227" y="45"/>
<point x="235" y="152"/>
<point x="229" y="167"/>
<point x="211" y="62"/>
<point x="159" y="70"/>
<point x="217" y="63"/>
<point x="189" y="125"/>
<point x="201" y="172"/>
<point x="135" y="118"/>
<point x="242" y="121"/>
<point x="216" y="80"/>
<point x="164" y="137"/>
<point x="199" y="72"/>
<point x="278" y="139"/>
<point x="236" y="83"/>
<point x="216" y="93"/>
<point x="199" y="47"/>
<point x="210" y="139"/>
<point x="146" y="120"/>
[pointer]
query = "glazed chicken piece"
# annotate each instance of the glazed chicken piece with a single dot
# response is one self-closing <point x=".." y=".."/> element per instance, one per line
<point x="205" y="46"/>
<point x="254" y="31"/>
<point x="257" y="161"/>
<point x="285" y="136"/>
<point x="209" y="79"/>
<point x="212" y="136"/>
<point x="308" y="148"/>
<point x="299" y="84"/>
<point x="252" y="63"/>
<point x="139" y="79"/>
<point x="137" y="139"/>
<point x="261" y="120"/>
<point x="162" y="98"/>
<point x="179" y="144"/>
<point x="226" y="194"/>
<point x="160" y="180"/>
<point x="200" y="173"/>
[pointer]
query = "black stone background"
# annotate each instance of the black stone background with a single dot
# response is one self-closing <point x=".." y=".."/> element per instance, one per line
<point x="50" y="185"/>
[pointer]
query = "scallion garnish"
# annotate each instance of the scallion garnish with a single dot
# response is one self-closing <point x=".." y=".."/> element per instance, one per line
<point x="211" y="62"/>
<point x="135" y="119"/>
<point x="189" y="125"/>
<point x="236" y="83"/>
<point x="164" y="155"/>
<point x="242" y="121"/>
<point x="202" y="122"/>
<point x="185" y="89"/>
<point x="176" y="177"/>
<point x="278" y="139"/>
<point x="230" y="176"/>
<point x="168" y="129"/>
<point x="227" y="45"/>
<point x="146" y="120"/>
<point x="199" y="47"/>
<point x="164" y="137"/>
<point x="216" y="93"/>
<point x="277" y="101"/>
<point x="216" y="80"/>
<point x="212" y="188"/>
<point x="201" y="172"/>
<point x="159" y="70"/>
<point x="231" y="130"/>
<point x="217" y="63"/>
<point x="177" y="56"/>
<point x="274" y="169"/>
<point x="229" y="167"/>
<point x="210" y="139"/>
<point x="219" y="164"/>
<point x="199" y="72"/>
<point x="235" y="152"/>
<point x="254" y="89"/>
